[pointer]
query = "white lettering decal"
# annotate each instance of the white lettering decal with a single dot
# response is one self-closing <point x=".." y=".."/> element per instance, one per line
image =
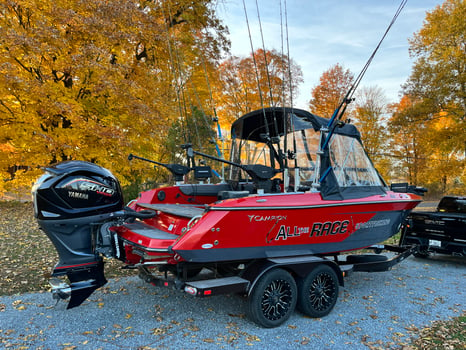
<point x="78" y="195"/>
<point x="372" y="224"/>
<point x="259" y="218"/>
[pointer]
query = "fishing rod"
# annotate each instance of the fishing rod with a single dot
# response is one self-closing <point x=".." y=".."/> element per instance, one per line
<point x="337" y="115"/>
<point x="340" y="110"/>
<point x="295" y="148"/>
<point x="256" y="69"/>
<point x="274" y="117"/>
<point x="181" y="83"/>
<point x="215" y="119"/>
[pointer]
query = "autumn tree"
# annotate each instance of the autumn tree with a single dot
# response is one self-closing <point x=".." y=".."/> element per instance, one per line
<point x="370" y="114"/>
<point x="263" y="79"/>
<point x="97" y="80"/>
<point x="327" y="96"/>
<point x="438" y="83"/>
<point x="407" y="145"/>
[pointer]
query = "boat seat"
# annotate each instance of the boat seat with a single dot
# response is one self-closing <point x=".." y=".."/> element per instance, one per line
<point x="184" y="211"/>
<point x="149" y="231"/>
<point x="203" y="189"/>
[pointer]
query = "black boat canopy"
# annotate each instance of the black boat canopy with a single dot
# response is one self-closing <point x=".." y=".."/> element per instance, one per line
<point x="271" y="122"/>
<point x="341" y="176"/>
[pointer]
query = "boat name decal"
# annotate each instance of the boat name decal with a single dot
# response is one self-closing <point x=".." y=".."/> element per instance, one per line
<point x="318" y="229"/>
<point x="284" y="232"/>
<point x="275" y="218"/>
<point x="372" y="224"/>
<point x="329" y="228"/>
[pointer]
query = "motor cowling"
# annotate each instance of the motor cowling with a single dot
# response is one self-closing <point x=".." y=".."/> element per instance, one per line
<point x="75" y="189"/>
<point x="71" y="202"/>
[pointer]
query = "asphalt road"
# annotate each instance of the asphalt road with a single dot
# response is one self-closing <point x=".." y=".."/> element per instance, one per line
<point x="381" y="310"/>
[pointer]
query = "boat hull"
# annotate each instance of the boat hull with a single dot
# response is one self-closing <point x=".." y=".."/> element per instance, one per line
<point x="279" y="225"/>
<point x="285" y="241"/>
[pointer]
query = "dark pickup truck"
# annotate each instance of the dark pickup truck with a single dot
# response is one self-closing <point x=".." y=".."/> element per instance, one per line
<point x="442" y="231"/>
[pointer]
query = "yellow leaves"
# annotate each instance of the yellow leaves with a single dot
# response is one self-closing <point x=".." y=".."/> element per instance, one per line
<point x="18" y="305"/>
<point x="65" y="99"/>
<point x="68" y="346"/>
<point x="251" y="337"/>
<point x="193" y="328"/>
<point x="238" y="93"/>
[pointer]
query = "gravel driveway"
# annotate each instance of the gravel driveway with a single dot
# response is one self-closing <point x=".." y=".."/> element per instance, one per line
<point x="377" y="310"/>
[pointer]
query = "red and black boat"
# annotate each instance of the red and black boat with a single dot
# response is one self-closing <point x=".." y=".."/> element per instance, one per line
<point x="299" y="189"/>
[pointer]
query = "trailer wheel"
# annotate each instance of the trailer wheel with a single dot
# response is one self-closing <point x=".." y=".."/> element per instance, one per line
<point x="273" y="298"/>
<point x="318" y="291"/>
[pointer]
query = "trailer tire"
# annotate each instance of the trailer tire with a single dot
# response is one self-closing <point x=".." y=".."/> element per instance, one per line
<point x="318" y="291"/>
<point x="273" y="298"/>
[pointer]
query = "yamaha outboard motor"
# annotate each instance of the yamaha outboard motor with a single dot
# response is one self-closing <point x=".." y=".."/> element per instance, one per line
<point x="71" y="202"/>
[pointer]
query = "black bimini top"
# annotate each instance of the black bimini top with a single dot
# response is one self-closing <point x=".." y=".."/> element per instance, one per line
<point x="272" y="121"/>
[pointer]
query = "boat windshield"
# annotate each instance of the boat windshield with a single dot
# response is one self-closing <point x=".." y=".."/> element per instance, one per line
<point x="305" y="155"/>
<point x="350" y="163"/>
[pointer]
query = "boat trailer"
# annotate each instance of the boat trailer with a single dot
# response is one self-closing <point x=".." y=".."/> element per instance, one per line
<point x="275" y="286"/>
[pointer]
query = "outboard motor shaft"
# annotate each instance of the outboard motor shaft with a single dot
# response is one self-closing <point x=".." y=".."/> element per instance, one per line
<point x="71" y="200"/>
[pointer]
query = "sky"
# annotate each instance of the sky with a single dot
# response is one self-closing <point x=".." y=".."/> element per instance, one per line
<point x="322" y="33"/>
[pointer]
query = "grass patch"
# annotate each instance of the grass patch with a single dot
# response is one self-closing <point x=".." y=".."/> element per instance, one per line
<point x="442" y="335"/>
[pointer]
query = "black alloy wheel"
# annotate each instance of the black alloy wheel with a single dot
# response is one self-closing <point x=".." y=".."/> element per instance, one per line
<point x="318" y="291"/>
<point x="273" y="298"/>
